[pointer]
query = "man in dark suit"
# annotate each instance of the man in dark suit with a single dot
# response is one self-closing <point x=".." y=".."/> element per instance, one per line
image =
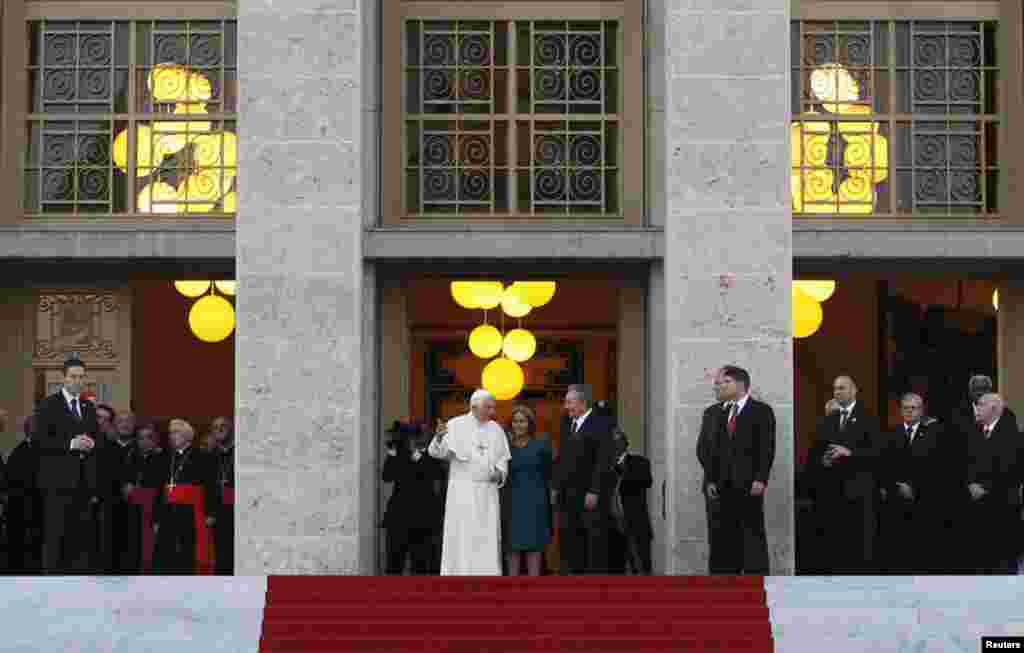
<point x="912" y="480"/>
<point x="123" y="528"/>
<point x="992" y="490"/>
<point x="842" y="470"/>
<point x="736" y="448"/>
<point x="414" y="514"/>
<point x="71" y="476"/>
<point x="634" y="474"/>
<point x="584" y="480"/>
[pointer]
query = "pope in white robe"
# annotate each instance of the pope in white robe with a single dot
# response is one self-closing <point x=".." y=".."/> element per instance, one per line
<point x="477" y="450"/>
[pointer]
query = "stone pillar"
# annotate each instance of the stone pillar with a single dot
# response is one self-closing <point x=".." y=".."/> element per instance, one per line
<point x="300" y="359"/>
<point x="728" y="245"/>
<point x="1010" y="351"/>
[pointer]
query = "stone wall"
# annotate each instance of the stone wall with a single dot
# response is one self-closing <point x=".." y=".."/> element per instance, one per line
<point x="728" y="244"/>
<point x="300" y="319"/>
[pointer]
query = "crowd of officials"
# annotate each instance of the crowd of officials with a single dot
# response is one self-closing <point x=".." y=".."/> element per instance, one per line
<point x="92" y="491"/>
<point x="615" y="540"/>
<point x="931" y="496"/>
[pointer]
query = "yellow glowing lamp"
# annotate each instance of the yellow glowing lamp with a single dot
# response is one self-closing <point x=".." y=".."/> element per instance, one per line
<point x="520" y="345"/>
<point x="170" y="82"/>
<point x="485" y="341"/>
<point x="192" y="289"/>
<point x="503" y="378"/>
<point x="159" y="197"/>
<point x="807" y="314"/>
<point x="995" y="299"/>
<point x="512" y="304"/>
<point x="464" y="293"/>
<point x="227" y="287"/>
<point x="536" y="293"/>
<point x="150" y="149"/>
<point x="212" y="318"/>
<point x="489" y="294"/>
<point x="230" y="203"/>
<point x="819" y="291"/>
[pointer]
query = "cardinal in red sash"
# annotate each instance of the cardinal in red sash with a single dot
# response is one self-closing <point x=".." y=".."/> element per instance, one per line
<point x="184" y="511"/>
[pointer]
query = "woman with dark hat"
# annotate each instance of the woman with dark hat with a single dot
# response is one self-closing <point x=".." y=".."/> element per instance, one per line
<point x="413" y="517"/>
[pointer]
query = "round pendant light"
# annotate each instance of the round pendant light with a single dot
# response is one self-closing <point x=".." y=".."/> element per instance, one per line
<point x="511" y="303"/>
<point x="212" y="318"/>
<point x="488" y="294"/>
<point x="485" y="341"/>
<point x="819" y="291"/>
<point x="519" y="345"/>
<point x="192" y="289"/>
<point x="807" y="314"/>
<point x="227" y="287"/>
<point x="503" y="378"/>
<point x="536" y="293"/>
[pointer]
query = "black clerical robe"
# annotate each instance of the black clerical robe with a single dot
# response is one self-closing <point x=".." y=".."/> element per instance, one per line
<point x="224" y="529"/>
<point x="182" y="537"/>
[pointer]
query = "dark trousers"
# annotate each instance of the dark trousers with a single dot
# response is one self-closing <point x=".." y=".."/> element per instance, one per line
<point x="24" y="532"/>
<point x="175" y="547"/>
<point x="224" y="542"/>
<point x="911" y="537"/>
<point x="991" y="537"/>
<point x="72" y="537"/>
<point x="419" y="544"/>
<point x="583" y="541"/>
<point x="629" y="553"/>
<point x="847" y="531"/>
<point x="123" y="538"/>
<point x="736" y="533"/>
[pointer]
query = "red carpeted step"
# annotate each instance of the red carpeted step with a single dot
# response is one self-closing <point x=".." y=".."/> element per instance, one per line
<point x="564" y="627"/>
<point x="461" y="644"/>
<point x="510" y="615"/>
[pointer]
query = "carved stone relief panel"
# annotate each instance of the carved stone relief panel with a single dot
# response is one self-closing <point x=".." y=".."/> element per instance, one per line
<point x="76" y="322"/>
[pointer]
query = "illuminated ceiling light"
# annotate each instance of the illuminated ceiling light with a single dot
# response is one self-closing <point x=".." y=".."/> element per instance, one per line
<point x="464" y="293"/>
<point x="477" y="294"/>
<point x="519" y="345"/>
<point x="536" y="293"/>
<point x="807" y="314"/>
<point x="485" y="341"/>
<point x="159" y="197"/>
<point x="503" y="378"/>
<point x="819" y="291"/>
<point x="192" y="289"/>
<point x="212" y="318"/>
<point x="227" y="287"/>
<point x="995" y="299"/>
<point x="512" y="305"/>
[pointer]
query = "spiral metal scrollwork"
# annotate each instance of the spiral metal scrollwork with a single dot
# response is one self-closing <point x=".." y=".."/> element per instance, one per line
<point x="204" y="50"/>
<point x="57" y="185"/>
<point x="475" y="186"/>
<point x="929" y="85"/>
<point x="61" y="49"/>
<point x="439" y="185"/>
<point x="964" y="186"/>
<point x="964" y="151"/>
<point x="439" y="50"/>
<point x="92" y="184"/>
<point x="94" y="84"/>
<point x="930" y="151"/>
<point x="549" y="150"/>
<point x="858" y="50"/>
<point x="95" y="50"/>
<point x="585" y="85"/>
<point x="549" y="50"/>
<point x="819" y="49"/>
<point x="94" y="150"/>
<point x="964" y="51"/>
<point x="550" y="185"/>
<point x="475" y="150"/>
<point x="585" y="150"/>
<point x="475" y="84"/>
<point x="437" y="150"/>
<point x="585" y="185"/>
<point x="59" y="85"/>
<point x="585" y="50"/>
<point x="475" y="50"/>
<point x="170" y="48"/>
<point x="931" y="186"/>
<point x="929" y="51"/>
<point x="965" y="86"/>
<point x="438" y="85"/>
<point x="550" y="85"/>
<point x="58" y="149"/>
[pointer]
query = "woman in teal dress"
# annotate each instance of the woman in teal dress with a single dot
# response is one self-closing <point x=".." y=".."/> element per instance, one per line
<point x="525" y="505"/>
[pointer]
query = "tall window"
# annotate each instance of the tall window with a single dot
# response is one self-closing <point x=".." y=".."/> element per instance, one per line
<point x="527" y="115"/>
<point x="895" y="118"/>
<point x="131" y="117"/>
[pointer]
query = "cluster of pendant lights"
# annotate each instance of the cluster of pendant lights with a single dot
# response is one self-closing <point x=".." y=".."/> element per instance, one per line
<point x="503" y="377"/>
<point x="212" y="318"/>
<point x="807" y="299"/>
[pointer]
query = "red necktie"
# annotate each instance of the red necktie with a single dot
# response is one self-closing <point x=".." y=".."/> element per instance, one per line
<point x="731" y="426"/>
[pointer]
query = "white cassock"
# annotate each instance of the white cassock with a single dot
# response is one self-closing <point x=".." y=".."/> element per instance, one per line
<point x="472" y="519"/>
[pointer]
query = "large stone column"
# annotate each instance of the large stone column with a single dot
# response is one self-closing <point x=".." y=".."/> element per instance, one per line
<point x="728" y="245"/>
<point x="300" y="358"/>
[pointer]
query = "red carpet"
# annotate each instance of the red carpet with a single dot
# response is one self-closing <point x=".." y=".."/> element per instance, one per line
<point x="336" y="614"/>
